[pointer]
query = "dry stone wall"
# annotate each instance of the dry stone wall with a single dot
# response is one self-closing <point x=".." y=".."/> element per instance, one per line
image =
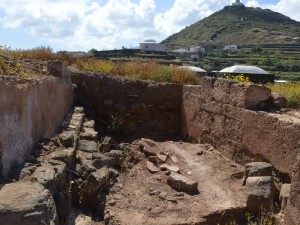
<point x="133" y="106"/>
<point x="29" y="111"/>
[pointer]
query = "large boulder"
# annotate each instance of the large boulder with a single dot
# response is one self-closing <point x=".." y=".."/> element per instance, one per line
<point x="26" y="203"/>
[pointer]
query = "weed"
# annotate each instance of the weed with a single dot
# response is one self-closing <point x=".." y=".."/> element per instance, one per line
<point x="34" y="180"/>
<point x="289" y="90"/>
<point x="241" y="78"/>
<point x="115" y="123"/>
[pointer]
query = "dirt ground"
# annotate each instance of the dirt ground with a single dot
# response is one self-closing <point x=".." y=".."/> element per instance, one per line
<point x="141" y="197"/>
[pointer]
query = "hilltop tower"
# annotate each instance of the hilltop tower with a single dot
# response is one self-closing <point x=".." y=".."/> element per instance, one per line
<point x="237" y="2"/>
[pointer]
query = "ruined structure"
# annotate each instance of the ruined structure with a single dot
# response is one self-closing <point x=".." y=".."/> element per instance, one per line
<point x="59" y="162"/>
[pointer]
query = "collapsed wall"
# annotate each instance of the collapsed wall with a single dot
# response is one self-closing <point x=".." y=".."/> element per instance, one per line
<point x="30" y="110"/>
<point x="130" y="106"/>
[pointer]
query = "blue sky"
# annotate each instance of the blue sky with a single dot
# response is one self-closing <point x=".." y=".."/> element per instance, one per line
<point x="108" y="24"/>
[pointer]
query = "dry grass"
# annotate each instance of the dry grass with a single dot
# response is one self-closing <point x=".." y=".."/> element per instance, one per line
<point x="140" y="70"/>
<point x="137" y="70"/>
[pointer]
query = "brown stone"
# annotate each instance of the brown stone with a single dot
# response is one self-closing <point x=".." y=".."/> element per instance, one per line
<point x="170" y="168"/>
<point x="279" y="100"/>
<point x="162" y="157"/>
<point x="174" y="159"/>
<point x="89" y="134"/>
<point x="26" y="203"/>
<point x="151" y="167"/>
<point x="182" y="183"/>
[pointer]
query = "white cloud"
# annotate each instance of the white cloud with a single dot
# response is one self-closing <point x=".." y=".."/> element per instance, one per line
<point x="85" y="24"/>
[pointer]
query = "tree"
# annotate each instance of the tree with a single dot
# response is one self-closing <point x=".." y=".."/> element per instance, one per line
<point x="92" y="51"/>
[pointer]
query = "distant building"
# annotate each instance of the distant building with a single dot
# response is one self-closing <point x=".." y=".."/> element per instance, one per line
<point x="180" y="50"/>
<point x="230" y="47"/>
<point x="194" y="53"/>
<point x="237" y="2"/>
<point x="152" y="46"/>
<point x="74" y="54"/>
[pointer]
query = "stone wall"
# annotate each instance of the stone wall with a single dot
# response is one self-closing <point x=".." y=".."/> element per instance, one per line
<point x="130" y="106"/>
<point x="292" y="212"/>
<point x="217" y="112"/>
<point x="30" y="110"/>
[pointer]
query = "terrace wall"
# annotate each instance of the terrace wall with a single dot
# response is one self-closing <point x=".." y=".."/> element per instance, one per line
<point x="30" y="110"/>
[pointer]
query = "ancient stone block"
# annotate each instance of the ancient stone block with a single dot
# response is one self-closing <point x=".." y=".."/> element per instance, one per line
<point x="89" y="134"/>
<point x="258" y="169"/>
<point x="89" y="124"/>
<point x="207" y="85"/>
<point x="257" y="97"/>
<point x="107" y="144"/>
<point x="27" y="203"/>
<point x="249" y="96"/>
<point x="58" y="69"/>
<point x="284" y="195"/>
<point x="51" y="174"/>
<point x="118" y="156"/>
<point x="279" y="101"/>
<point x="221" y="90"/>
<point x="260" y="193"/>
<point x="182" y="183"/>
<point x="87" y="146"/>
<point x="92" y="185"/>
<point x="66" y="139"/>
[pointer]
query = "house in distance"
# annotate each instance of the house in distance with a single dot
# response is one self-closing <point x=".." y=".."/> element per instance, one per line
<point x="150" y="45"/>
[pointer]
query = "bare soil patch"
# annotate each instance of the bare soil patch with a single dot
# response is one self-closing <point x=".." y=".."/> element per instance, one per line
<point x="141" y="197"/>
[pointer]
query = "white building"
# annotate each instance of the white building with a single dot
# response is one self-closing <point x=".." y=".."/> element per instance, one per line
<point x="230" y="47"/>
<point x="152" y="46"/>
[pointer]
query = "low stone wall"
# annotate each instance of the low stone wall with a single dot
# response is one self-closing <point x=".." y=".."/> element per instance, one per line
<point x="29" y="111"/>
<point x="130" y="106"/>
<point x="217" y="112"/>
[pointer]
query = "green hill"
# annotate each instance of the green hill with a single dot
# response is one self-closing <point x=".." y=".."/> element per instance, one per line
<point x="238" y="25"/>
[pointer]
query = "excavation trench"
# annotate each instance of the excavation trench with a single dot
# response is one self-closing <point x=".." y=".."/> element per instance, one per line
<point x="124" y="156"/>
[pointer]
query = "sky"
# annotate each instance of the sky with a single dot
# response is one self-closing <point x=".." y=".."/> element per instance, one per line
<point x="80" y="25"/>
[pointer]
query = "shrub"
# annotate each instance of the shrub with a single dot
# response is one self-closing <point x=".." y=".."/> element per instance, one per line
<point x="289" y="90"/>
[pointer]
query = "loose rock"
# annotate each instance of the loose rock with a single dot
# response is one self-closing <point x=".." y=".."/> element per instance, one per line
<point x="182" y="183"/>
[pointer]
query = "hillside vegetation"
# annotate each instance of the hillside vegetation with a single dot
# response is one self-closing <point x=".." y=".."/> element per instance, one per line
<point x="238" y="25"/>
